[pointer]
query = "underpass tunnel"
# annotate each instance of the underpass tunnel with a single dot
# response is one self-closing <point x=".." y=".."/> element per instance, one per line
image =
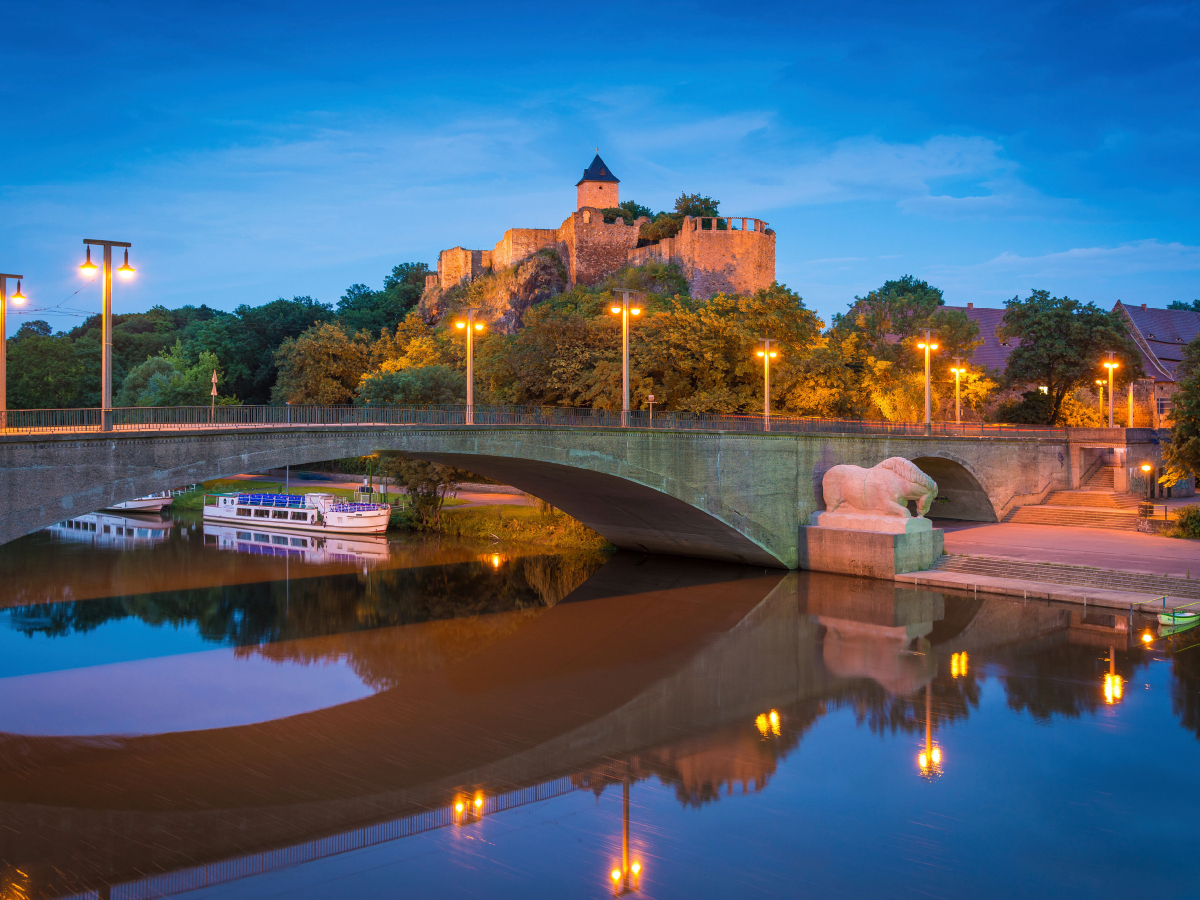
<point x="629" y="515"/>
<point x="960" y="495"/>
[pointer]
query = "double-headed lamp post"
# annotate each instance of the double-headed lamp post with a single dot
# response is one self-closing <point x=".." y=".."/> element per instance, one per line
<point x="1112" y="365"/>
<point x="625" y="308"/>
<point x="89" y="268"/>
<point x="1146" y="470"/>
<point x="18" y="298"/>
<point x="958" y="369"/>
<point x="927" y="344"/>
<point x="470" y="326"/>
<point x="766" y="354"/>
<point x="1100" y="396"/>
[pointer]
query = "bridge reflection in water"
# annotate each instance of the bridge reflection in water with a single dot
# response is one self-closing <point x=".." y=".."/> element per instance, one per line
<point x="700" y="674"/>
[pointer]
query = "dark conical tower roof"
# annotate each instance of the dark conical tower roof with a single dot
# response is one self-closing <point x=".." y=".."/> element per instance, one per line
<point x="597" y="171"/>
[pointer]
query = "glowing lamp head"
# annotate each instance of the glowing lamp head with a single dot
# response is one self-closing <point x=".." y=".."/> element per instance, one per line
<point x="762" y="353"/>
<point x="18" y="298"/>
<point x="772" y="354"/>
<point x="616" y="310"/>
<point x="1112" y="365"/>
<point x="458" y="807"/>
<point x="89" y="268"/>
<point x="635" y="868"/>
<point x="1146" y="467"/>
<point x="460" y="324"/>
<point x="635" y="311"/>
<point x="933" y="346"/>
<point x="616" y="874"/>
<point x="923" y="760"/>
<point x="126" y="270"/>
<point x="479" y="326"/>
<point x="478" y="802"/>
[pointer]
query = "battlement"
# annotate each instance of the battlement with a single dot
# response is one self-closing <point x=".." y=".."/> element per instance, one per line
<point x="730" y="254"/>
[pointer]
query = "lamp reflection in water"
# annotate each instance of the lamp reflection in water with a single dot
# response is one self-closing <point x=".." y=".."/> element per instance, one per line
<point x="767" y="723"/>
<point x="467" y="810"/>
<point x="626" y="878"/>
<point x="1114" y="685"/>
<point x="929" y="760"/>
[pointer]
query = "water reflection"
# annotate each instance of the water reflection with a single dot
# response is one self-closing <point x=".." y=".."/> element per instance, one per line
<point x="498" y="680"/>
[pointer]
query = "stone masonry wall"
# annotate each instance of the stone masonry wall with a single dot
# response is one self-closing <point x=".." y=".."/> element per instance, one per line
<point x="459" y="264"/>
<point x="597" y="194"/>
<point x="595" y="250"/>
<point x="520" y="243"/>
<point x="739" y="259"/>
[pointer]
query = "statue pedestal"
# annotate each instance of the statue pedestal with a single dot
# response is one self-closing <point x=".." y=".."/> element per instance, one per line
<point x="872" y="554"/>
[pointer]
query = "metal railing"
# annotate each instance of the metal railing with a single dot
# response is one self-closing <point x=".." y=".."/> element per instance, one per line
<point x="186" y="418"/>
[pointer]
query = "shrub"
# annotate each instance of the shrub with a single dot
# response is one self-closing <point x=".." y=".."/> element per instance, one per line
<point x="1187" y="521"/>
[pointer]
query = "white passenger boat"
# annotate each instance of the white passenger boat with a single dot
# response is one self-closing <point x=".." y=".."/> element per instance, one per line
<point x="298" y="512"/>
<point x="259" y="540"/>
<point x="149" y="503"/>
<point x="111" y="530"/>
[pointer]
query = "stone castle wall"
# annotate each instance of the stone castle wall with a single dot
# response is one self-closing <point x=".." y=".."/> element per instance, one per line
<point x="737" y="259"/>
<point x="459" y="264"/>
<point x="521" y="243"/>
<point x="594" y="249"/>
<point x="597" y="194"/>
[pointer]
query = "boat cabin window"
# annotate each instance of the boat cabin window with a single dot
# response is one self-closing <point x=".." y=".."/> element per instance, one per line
<point x="243" y="535"/>
<point x="243" y="512"/>
<point x="279" y="514"/>
<point x="279" y="539"/>
<point x="262" y="513"/>
<point x="262" y="538"/>
<point x="299" y="517"/>
<point x="299" y="542"/>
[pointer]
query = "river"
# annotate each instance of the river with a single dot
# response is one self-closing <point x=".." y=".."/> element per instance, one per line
<point x="219" y="714"/>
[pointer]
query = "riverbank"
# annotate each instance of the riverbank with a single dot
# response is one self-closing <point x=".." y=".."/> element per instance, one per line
<point x="522" y="524"/>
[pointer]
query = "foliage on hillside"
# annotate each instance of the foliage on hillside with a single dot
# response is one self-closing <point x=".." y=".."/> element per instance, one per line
<point x="1182" y="453"/>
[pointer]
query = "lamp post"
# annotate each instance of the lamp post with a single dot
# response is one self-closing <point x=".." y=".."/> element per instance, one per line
<point x="1146" y="470"/>
<point x="958" y="369"/>
<point x="927" y="345"/>
<point x="625" y="310"/>
<point x="470" y="326"/>
<point x="88" y="268"/>
<point x="650" y="400"/>
<point x="1112" y="365"/>
<point x="17" y="298"/>
<point x="1100" y="397"/>
<point x="767" y="354"/>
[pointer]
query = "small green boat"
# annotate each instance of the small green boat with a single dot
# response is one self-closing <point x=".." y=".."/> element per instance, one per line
<point x="1168" y="630"/>
<point x="1176" y="618"/>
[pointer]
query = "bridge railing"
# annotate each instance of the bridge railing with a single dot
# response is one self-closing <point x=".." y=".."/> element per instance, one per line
<point x="181" y="418"/>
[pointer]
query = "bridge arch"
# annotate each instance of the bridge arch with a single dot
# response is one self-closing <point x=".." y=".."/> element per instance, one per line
<point x="629" y="514"/>
<point x="961" y="494"/>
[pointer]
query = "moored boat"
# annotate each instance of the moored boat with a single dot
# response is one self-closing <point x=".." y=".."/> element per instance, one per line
<point x="149" y="503"/>
<point x="298" y="512"/>
<point x="1178" y="617"/>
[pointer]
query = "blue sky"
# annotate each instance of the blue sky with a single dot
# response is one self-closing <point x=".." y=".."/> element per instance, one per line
<point x="251" y="151"/>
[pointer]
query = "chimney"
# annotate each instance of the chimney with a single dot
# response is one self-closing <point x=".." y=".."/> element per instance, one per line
<point x="1143" y="306"/>
<point x="970" y="306"/>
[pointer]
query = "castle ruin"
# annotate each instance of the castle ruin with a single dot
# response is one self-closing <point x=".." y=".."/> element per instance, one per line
<point x="715" y="254"/>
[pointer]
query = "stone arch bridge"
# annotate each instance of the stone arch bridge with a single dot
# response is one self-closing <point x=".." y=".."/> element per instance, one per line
<point x="718" y="494"/>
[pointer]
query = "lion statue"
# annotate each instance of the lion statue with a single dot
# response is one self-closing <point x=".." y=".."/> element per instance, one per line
<point x="867" y="499"/>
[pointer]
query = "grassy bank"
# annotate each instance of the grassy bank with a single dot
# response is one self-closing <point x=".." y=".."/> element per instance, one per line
<point x="522" y="524"/>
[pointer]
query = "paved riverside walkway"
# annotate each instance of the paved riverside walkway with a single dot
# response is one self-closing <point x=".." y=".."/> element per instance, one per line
<point x="1125" y="551"/>
<point x="1101" y="552"/>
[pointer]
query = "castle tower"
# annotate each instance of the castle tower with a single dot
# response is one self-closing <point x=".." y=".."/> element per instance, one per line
<point x="598" y="186"/>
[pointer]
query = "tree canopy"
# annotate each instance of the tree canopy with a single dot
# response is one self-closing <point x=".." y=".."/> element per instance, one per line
<point x="1182" y="453"/>
<point x="1063" y="345"/>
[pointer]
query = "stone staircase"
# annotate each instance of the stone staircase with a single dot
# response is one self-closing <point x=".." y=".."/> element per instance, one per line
<point x="1094" y="505"/>
<point x="1082" y="576"/>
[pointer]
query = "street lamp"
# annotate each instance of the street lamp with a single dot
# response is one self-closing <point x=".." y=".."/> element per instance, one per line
<point x="471" y="327"/>
<point x="625" y="310"/>
<point x="1100" y="397"/>
<point x="927" y="345"/>
<point x="1146" y="470"/>
<point x="958" y="369"/>
<point x="1112" y="365"/>
<point x="18" y="298"/>
<point x="88" y="269"/>
<point x="767" y="354"/>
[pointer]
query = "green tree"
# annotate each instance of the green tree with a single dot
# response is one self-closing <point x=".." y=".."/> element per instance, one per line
<point x="1182" y="453"/>
<point x="361" y="308"/>
<point x="44" y="371"/>
<point x="411" y="387"/>
<point x="427" y="484"/>
<point x="173" y="379"/>
<point x="1063" y="343"/>
<point x="1194" y="306"/>
<point x="696" y="205"/>
<point x="323" y="366"/>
